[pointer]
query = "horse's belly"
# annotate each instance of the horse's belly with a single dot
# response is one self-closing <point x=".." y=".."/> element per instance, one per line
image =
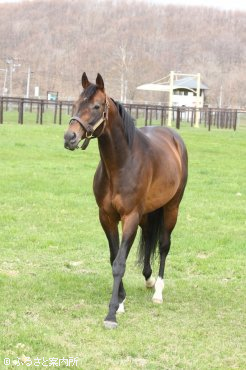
<point x="159" y="195"/>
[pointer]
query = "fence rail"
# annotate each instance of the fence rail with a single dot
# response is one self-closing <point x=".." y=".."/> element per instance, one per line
<point x="221" y="118"/>
<point x="38" y="105"/>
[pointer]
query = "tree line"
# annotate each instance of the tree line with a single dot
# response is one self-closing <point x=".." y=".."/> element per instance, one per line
<point x="50" y="43"/>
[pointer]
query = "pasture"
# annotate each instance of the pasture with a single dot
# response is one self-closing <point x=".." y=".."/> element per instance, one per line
<point x="56" y="278"/>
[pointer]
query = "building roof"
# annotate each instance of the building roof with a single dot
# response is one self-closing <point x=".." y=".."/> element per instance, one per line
<point x="153" y="87"/>
<point x="188" y="83"/>
<point x="184" y="83"/>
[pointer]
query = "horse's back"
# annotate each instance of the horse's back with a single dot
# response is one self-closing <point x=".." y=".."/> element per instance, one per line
<point x="163" y="134"/>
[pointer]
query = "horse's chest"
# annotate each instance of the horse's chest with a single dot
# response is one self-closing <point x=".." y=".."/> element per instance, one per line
<point x="121" y="193"/>
<point x="117" y="199"/>
<point x="119" y="203"/>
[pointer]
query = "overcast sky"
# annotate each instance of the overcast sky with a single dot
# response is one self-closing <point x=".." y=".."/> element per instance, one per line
<point x="222" y="4"/>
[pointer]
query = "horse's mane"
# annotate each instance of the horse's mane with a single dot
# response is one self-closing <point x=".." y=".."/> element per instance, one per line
<point x="128" y="123"/>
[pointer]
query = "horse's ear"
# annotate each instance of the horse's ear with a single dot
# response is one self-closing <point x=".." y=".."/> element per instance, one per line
<point x="99" y="82"/>
<point x="84" y="80"/>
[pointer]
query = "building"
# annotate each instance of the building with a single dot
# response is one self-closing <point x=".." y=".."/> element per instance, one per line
<point x="185" y="93"/>
<point x="182" y="92"/>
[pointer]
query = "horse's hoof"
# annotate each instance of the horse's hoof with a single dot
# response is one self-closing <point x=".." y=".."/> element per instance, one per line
<point x="150" y="282"/>
<point x="110" y="324"/>
<point x="157" y="300"/>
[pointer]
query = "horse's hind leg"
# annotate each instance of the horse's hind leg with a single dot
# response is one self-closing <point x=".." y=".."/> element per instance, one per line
<point x="169" y="221"/>
<point x="146" y="253"/>
<point x="152" y="225"/>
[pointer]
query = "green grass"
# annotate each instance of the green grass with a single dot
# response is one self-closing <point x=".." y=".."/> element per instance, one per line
<point x="55" y="275"/>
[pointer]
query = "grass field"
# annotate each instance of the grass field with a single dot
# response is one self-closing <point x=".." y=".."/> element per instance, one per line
<point x="55" y="275"/>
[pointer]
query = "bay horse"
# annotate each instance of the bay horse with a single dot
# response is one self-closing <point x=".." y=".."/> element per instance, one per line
<point x="139" y="181"/>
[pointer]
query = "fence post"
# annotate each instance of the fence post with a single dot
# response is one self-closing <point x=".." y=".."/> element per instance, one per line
<point x="205" y="117"/>
<point x="60" y="112"/>
<point x="217" y="117"/>
<point x="55" y="112"/>
<point x="146" y="116"/>
<point x="41" y="112"/>
<point x="209" y="118"/>
<point x="1" y="110"/>
<point x="192" y="117"/>
<point x="235" y="120"/>
<point x="178" y="119"/>
<point x="21" y="108"/>
<point x="226" y="119"/>
<point x="37" y="115"/>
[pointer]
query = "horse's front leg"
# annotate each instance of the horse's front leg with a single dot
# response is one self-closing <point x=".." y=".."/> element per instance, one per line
<point x="110" y="227"/>
<point x="130" y="225"/>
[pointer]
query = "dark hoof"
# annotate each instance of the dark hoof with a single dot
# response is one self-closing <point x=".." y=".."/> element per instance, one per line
<point x="110" y="324"/>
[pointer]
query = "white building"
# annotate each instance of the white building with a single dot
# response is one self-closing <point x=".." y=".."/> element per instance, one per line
<point x="184" y="90"/>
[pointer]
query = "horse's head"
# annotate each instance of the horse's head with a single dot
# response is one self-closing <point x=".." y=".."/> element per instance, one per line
<point x="91" y="112"/>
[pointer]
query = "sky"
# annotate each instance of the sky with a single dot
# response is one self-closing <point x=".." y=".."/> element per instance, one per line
<point x="221" y="4"/>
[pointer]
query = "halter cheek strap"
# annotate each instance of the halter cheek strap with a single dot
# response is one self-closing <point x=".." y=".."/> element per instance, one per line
<point x="90" y="129"/>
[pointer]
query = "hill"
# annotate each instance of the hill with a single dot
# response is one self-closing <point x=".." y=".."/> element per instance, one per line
<point x="134" y="42"/>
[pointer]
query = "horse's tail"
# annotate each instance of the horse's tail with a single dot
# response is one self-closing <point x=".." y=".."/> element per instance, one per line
<point x="150" y="234"/>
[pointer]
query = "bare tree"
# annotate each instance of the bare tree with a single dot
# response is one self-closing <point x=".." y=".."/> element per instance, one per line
<point x="128" y="42"/>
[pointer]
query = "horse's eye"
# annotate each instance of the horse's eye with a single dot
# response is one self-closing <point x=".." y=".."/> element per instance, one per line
<point x="96" y="106"/>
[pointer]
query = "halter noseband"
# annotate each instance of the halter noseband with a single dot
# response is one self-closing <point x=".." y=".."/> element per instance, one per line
<point x="89" y="128"/>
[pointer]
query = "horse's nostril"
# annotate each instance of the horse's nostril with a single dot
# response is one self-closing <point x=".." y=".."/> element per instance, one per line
<point x="69" y="136"/>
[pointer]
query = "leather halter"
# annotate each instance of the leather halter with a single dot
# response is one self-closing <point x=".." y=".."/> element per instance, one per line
<point x="89" y="128"/>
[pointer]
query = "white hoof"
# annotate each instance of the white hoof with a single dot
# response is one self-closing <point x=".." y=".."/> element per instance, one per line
<point x="159" y="286"/>
<point x="121" y="308"/>
<point x="150" y="282"/>
<point x="157" y="300"/>
<point x="110" y="324"/>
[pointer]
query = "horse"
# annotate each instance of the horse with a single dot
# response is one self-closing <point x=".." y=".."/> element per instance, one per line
<point x="139" y="181"/>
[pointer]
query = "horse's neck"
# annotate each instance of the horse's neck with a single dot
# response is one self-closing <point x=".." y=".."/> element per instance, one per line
<point x="113" y="147"/>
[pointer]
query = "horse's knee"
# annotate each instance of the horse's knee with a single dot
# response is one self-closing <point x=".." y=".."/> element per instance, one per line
<point x="118" y="268"/>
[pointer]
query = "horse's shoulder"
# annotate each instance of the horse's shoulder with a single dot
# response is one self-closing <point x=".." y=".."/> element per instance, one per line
<point x="100" y="179"/>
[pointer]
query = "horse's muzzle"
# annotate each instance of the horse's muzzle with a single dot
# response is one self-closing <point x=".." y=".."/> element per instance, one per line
<point x="70" y="140"/>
